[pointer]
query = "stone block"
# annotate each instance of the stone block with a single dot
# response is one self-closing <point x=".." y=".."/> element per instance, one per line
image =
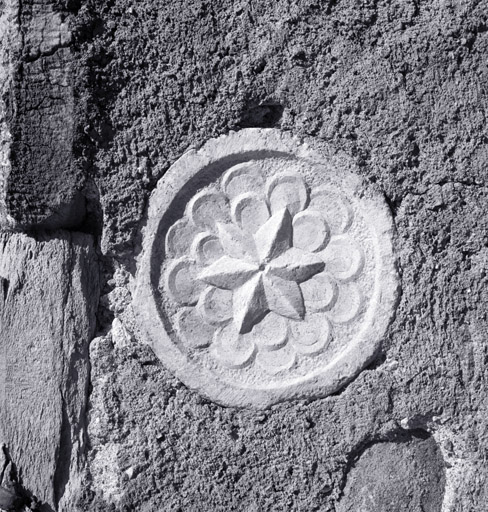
<point x="404" y="475"/>
<point x="48" y="299"/>
<point x="40" y="183"/>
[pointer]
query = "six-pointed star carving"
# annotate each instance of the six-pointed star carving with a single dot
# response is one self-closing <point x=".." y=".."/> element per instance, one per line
<point x="263" y="270"/>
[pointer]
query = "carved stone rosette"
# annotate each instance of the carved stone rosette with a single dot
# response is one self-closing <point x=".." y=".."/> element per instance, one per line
<point x="267" y="271"/>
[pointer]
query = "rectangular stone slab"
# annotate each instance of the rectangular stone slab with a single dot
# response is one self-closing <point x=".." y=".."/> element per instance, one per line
<point x="10" y="43"/>
<point x="48" y="299"/>
<point x="40" y="185"/>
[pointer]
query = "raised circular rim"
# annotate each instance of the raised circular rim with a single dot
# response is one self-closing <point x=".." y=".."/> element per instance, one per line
<point x="352" y="359"/>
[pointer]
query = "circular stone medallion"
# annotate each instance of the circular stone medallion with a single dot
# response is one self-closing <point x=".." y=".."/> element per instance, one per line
<point x="267" y="271"/>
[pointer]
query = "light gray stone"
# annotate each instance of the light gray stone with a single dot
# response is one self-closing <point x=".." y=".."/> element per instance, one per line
<point x="48" y="298"/>
<point x="267" y="270"/>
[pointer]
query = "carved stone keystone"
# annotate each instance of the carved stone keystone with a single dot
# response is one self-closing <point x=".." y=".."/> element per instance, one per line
<point x="267" y="270"/>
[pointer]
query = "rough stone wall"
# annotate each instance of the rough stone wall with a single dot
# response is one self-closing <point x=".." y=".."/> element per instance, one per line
<point x="400" y="86"/>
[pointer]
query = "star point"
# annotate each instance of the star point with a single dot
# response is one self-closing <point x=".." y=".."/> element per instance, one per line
<point x="274" y="237"/>
<point x="228" y="273"/>
<point x="250" y="304"/>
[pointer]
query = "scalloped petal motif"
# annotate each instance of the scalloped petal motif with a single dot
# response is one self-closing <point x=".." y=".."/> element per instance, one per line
<point x="277" y="282"/>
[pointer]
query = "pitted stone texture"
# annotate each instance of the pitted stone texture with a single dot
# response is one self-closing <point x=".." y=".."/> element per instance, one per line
<point x="399" y="85"/>
<point x="42" y="181"/>
<point x="10" y="45"/>
<point x="267" y="271"/>
<point x="403" y="476"/>
<point x="48" y="299"/>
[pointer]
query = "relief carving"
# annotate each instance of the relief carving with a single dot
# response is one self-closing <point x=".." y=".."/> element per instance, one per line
<point x="275" y="280"/>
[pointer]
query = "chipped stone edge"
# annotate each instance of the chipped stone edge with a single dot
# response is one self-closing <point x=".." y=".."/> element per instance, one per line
<point x="343" y="368"/>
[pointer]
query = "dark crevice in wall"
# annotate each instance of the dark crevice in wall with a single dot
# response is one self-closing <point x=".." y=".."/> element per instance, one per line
<point x="267" y="115"/>
<point x="4" y="286"/>
<point x="61" y="475"/>
<point x="393" y="205"/>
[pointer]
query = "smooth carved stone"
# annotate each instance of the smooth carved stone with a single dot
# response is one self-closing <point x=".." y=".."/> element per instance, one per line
<point x="194" y="332"/>
<point x="271" y="333"/>
<point x="287" y="191"/>
<point x="236" y="243"/>
<point x="250" y="304"/>
<point x="273" y="238"/>
<point x="335" y="208"/>
<point x="229" y="273"/>
<point x="344" y="258"/>
<point x="245" y="176"/>
<point x="262" y="269"/>
<point x="207" y="248"/>
<point x="231" y="349"/>
<point x="208" y="208"/>
<point x="284" y="297"/>
<point x="250" y="211"/>
<point x="182" y="283"/>
<point x="312" y="336"/>
<point x="348" y="305"/>
<point x="277" y="361"/>
<point x="215" y="305"/>
<point x="295" y="265"/>
<point x="276" y="282"/>
<point x="310" y="231"/>
<point x="320" y="292"/>
<point x="180" y="238"/>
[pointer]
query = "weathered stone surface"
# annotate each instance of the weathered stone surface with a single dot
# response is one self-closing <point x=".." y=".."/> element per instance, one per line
<point x="12" y="495"/>
<point x="10" y="43"/>
<point x="396" y="85"/>
<point x="7" y="499"/>
<point x="406" y="475"/>
<point x="267" y="271"/>
<point x="48" y="298"/>
<point x="399" y="86"/>
<point x="42" y="182"/>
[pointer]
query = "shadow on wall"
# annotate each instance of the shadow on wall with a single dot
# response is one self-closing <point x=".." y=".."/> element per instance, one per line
<point x="14" y="497"/>
<point x="262" y="116"/>
<point x="406" y="474"/>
